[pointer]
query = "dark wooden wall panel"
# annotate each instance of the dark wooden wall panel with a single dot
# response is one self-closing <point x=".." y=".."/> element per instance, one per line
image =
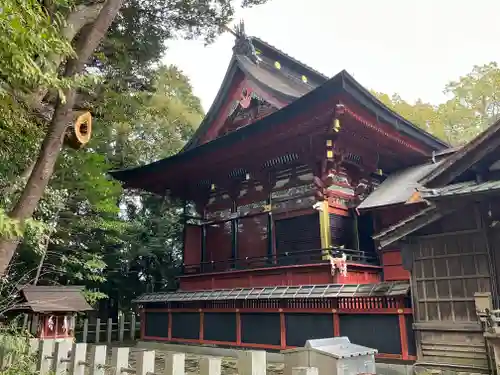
<point x="303" y="327"/>
<point x="260" y="328"/>
<point x="219" y="245"/>
<point x="252" y="238"/>
<point x="192" y="245"/>
<point x="186" y="325"/>
<point x="219" y="327"/>
<point x="379" y="331"/>
<point x="410" y="334"/>
<point x="156" y="324"/>
<point x="300" y="233"/>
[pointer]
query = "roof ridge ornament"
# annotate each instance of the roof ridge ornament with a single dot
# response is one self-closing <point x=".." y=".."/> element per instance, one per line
<point x="243" y="44"/>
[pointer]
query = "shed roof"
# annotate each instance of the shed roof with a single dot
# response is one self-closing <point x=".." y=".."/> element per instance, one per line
<point x="398" y="187"/>
<point x="281" y="292"/>
<point x="465" y="157"/>
<point x="53" y="299"/>
<point x="461" y="189"/>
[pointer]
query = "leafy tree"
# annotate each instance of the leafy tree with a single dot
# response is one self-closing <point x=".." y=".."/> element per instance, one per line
<point x="117" y="243"/>
<point x="124" y="60"/>
<point x="473" y="106"/>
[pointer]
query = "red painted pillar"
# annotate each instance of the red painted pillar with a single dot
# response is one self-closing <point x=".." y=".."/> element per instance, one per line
<point x="169" y="324"/>
<point x="403" y="333"/>
<point x="202" y="323"/>
<point x="336" y="323"/>
<point x="282" y="329"/>
<point x="238" y="327"/>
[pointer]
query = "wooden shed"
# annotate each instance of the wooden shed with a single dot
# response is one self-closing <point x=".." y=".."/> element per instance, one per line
<point x="451" y="245"/>
<point x="52" y="309"/>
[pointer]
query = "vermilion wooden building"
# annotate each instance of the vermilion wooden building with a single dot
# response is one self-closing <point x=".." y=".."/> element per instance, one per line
<point x="271" y="181"/>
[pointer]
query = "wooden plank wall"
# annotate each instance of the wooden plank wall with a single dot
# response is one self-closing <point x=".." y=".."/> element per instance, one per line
<point x="451" y="262"/>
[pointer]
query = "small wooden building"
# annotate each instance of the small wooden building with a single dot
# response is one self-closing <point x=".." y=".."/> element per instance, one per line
<point x="448" y="231"/>
<point x="52" y="309"/>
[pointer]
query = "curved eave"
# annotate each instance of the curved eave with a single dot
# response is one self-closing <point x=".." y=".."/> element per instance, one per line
<point x="387" y="115"/>
<point x="266" y="124"/>
<point x="296" y="65"/>
<point x="216" y="105"/>
<point x="342" y="82"/>
<point x="288" y="98"/>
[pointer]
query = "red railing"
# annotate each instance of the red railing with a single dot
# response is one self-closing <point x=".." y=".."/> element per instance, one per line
<point x="283" y="259"/>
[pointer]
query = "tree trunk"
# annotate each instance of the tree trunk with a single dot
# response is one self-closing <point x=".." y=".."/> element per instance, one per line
<point x="51" y="146"/>
<point x="81" y="16"/>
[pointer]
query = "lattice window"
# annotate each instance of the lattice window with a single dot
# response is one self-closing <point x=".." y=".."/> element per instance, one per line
<point x="448" y="270"/>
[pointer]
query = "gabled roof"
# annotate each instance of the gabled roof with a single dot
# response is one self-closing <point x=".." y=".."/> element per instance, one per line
<point x="287" y="84"/>
<point x="439" y="184"/>
<point x="465" y="157"/>
<point x="53" y="299"/>
<point x="294" y="96"/>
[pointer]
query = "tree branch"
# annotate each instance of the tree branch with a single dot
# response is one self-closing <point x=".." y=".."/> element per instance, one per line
<point x="51" y="146"/>
<point x="75" y="21"/>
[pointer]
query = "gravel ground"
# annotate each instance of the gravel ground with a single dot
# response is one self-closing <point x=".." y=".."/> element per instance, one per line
<point x="229" y="365"/>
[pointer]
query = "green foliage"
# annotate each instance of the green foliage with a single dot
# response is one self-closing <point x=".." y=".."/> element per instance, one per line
<point x="473" y="106"/>
<point x="28" y="36"/>
<point x="86" y="229"/>
<point x="12" y="228"/>
<point x="15" y="346"/>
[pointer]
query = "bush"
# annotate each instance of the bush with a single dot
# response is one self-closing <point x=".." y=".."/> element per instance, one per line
<point x="15" y="351"/>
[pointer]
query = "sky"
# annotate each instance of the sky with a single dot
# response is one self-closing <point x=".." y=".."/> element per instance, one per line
<point x="412" y="48"/>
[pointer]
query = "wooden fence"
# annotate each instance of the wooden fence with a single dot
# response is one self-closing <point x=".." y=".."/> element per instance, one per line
<point x="124" y="328"/>
<point x="121" y="329"/>
<point x="65" y="357"/>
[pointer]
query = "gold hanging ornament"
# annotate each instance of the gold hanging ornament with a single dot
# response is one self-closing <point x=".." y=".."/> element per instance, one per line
<point x="78" y="134"/>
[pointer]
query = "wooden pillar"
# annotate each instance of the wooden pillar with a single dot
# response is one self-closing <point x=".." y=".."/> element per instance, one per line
<point x="356" y="230"/>
<point x="336" y="323"/>
<point x="169" y="325"/>
<point x="142" y="315"/>
<point x="282" y="330"/>
<point x="238" y="327"/>
<point x="202" y="323"/>
<point x="324" y="228"/>
<point x="203" y="245"/>
<point x="403" y="333"/>
<point x="270" y="235"/>
<point x="234" y="234"/>
<point x="184" y="231"/>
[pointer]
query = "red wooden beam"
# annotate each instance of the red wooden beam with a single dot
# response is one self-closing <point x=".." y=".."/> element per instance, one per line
<point x="202" y="323"/>
<point x="169" y="324"/>
<point x="282" y="329"/>
<point x="403" y="333"/>
<point x="336" y="324"/>
<point x="388" y="311"/>
<point x="238" y="327"/>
